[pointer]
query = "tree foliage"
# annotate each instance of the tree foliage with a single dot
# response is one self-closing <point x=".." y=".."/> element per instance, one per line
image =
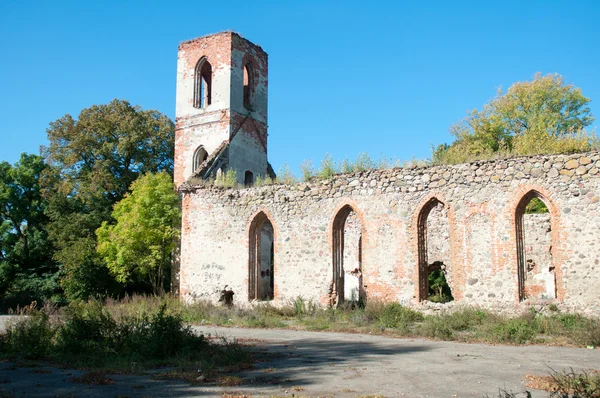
<point x="140" y="243"/>
<point x="27" y="271"/>
<point x="541" y="116"/>
<point x="94" y="160"/>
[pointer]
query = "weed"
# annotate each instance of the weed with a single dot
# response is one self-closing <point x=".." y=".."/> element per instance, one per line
<point x="30" y="337"/>
<point x="307" y="170"/>
<point x="581" y="385"/>
<point x="227" y="179"/>
<point x="88" y="335"/>
<point x="327" y="169"/>
<point x="516" y="331"/>
<point x="394" y="315"/>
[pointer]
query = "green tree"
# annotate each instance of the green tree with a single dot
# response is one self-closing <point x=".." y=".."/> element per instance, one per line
<point x="27" y="270"/>
<point x="94" y="160"/>
<point x="139" y="245"/>
<point x="541" y="116"/>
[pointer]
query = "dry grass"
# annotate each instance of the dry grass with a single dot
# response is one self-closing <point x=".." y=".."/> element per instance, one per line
<point x="229" y="381"/>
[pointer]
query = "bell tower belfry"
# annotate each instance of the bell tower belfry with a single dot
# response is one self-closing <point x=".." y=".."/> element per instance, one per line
<point x="221" y="110"/>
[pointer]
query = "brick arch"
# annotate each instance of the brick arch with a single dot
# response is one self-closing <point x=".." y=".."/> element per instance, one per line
<point x="419" y="233"/>
<point x="254" y="226"/>
<point x="203" y="73"/>
<point x="250" y="67"/>
<point x="336" y="233"/>
<point x="515" y="209"/>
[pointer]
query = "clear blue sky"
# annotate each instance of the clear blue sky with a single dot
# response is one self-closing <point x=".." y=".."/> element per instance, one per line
<point x="345" y="77"/>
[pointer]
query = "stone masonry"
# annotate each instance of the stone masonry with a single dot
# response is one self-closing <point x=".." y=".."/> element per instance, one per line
<point x="481" y="200"/>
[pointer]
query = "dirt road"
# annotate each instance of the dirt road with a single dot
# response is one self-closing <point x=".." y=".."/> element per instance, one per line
<point x="319" y="364"/>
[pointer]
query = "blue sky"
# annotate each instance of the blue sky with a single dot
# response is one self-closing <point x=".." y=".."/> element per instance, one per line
<point x="387" y="78"/>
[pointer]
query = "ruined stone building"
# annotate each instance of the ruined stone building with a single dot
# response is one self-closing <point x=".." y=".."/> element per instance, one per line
<point x="375" y="234"/>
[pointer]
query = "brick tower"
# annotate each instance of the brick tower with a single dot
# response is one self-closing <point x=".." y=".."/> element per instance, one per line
<point x="221" y="111"/>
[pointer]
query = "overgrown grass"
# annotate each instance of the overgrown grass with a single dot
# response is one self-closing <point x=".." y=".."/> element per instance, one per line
<point x="466" y="324"/>
<point x="567" y="383"/>
<point x="90" y="335"/>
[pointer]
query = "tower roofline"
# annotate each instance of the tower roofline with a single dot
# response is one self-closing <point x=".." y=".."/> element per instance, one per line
<point x="222" y="33"/>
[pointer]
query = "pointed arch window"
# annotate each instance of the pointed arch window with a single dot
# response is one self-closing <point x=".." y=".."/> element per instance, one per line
<point x="536" y="267"/>
<point x="200" y="156"/>
<point x="261" y="268"/>
<point x="434" y="252"/>
<point x="202" y="84"/>
<point x="347" y="257"/>
<point x="248" y="85"/>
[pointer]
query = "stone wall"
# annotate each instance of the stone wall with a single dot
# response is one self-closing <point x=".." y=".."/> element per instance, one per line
<point x="481" y="201"/>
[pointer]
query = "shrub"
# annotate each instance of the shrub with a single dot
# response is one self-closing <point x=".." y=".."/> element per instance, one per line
<point x="394" y="315"/>
<point x="90" y="336"/>
<point x="285" y="175"/>
<point x="327" y="169"/>
<point x="88" y="328"/>
<point x="227" y="179"/>
<point x="363" y="162"/>
<point x="588" y="333"/>
<point x="435" y="327"/>
<point x="307" y="170"/>
<point x="30" y="337"/>
<point x="581" y="385"/>
<point x="517" y="331"/>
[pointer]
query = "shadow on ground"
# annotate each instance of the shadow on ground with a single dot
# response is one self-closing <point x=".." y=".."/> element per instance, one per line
<point x="282" y="367"/>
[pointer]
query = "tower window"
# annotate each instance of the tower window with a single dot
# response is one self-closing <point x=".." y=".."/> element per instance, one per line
<point x="202" y="84"/>
<point x="200" y="156"/>
<point x="248" y="178"/>
<point x="248" y="85"/>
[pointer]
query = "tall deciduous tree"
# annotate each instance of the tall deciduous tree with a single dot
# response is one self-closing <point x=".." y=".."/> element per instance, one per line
<point x="140" y="243"/>
<point x="27" y="270"/>
<point x="541" y="116"/>
<point x="94" y="160"/>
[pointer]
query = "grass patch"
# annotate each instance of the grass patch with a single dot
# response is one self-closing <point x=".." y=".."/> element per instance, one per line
<point x="131" y="321"/>
<point x="91" y="336"/>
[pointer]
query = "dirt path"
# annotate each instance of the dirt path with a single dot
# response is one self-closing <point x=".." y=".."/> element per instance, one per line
<point x="333" y="364"/>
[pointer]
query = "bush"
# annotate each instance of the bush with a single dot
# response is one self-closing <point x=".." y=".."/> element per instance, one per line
<point x="30" y="337"/>
<point x="227" y="179"/>
<point x="327" y="169"/>
<point x="90" y="336"/>
<point x="307" y="170"/>
<point x="579" y="385"/>
<point x="516" y="331"/>
<point x="435" y="327"/>
<point x="394" y="315"/>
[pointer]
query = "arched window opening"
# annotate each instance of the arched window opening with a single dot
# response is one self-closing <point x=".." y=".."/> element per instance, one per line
<point x="202" y="84"/>
<point x="434" y="253"/>
<point x="261" y="278"/>
<point x="347" y="258"/>
<point x="248" y="178"/>
<point x="248" y="85"/>
<point x="200" y="156"/>
<point x="536" y="273"/>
